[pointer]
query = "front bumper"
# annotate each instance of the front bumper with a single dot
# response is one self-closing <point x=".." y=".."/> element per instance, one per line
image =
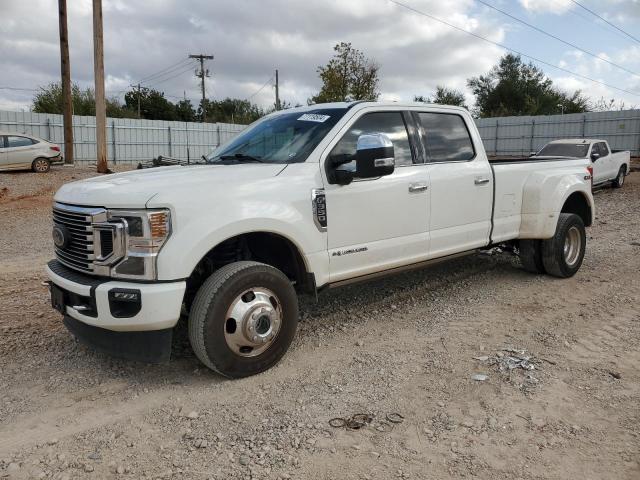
<point x="95" y="317"/>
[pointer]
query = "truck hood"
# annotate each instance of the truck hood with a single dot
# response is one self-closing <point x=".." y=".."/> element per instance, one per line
<point x="134" y="189"/>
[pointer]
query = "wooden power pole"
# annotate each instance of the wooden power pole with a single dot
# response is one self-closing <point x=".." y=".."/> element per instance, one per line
<point x="202" y="74"/>
<point x="98" y="72"/>
<point x="65" y="72"/>
<point x="277" y="92"/>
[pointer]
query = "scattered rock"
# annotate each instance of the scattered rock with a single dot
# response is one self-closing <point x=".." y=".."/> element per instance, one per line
<point x="479" y="377"/>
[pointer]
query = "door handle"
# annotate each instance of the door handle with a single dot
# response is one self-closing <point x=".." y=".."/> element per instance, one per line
<point x="481" y="181"/>
<point x="418" y="187"/>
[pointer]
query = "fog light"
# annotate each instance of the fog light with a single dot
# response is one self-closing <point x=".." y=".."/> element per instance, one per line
<point x="124" y="302"/>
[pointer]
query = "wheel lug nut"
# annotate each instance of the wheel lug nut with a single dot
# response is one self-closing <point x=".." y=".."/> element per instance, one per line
<point x="255" y="338"/>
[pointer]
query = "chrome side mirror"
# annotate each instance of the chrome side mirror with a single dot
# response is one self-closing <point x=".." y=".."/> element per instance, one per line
<point x="374" y="156"/>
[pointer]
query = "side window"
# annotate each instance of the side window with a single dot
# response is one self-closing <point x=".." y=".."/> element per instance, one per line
<point x="604" y="151"/>
<point x="447" y="137"/>
<point x="596" y="149"/>
<point x="2" y="141"/>
<point x="13" y="141"/>
<point x="389" y="123"/>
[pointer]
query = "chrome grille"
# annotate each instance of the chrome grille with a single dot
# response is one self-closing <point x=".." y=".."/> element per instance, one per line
<point x="78" y="253"/>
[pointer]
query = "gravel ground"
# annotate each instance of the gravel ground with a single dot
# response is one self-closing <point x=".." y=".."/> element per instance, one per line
<point x="408" y="344"/>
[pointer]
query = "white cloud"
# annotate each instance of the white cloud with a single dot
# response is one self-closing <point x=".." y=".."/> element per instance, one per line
<point x="249" y="40"/>
<point x="557" y="7"/>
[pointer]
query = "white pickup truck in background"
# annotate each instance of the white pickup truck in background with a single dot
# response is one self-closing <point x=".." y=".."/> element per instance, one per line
<point x="609" y="166"/>
<point x="303" y="199"/>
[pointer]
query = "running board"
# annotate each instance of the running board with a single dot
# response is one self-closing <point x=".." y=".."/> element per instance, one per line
<point x="402" y="269"/>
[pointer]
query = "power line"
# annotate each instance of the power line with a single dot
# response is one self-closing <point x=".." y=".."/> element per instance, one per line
<point x="424" y="14"/>
<point x="162" y="80"/>
<point x="18" y="89"/>
<point x="168" y="69"/>
<point x="259" y="90"/>
<point x="605" y="20"/>
<point x="544" y="32"/>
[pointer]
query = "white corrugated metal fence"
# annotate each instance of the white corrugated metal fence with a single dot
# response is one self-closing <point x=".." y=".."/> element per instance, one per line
<point x="128" y="140"/>
<point x="521" y="135"/>
<point x="132" y="140"/>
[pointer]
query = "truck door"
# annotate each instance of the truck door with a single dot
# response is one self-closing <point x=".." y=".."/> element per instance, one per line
<point x="461" y="183"/>
<point x="379" y="223"/>
<point x="599" y="165"/>
<point x="607" y="162"/>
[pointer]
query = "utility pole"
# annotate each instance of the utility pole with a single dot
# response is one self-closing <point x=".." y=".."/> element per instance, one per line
<point x="138" y="100"/>
<point x="98" y="72"/>
<point x="65" y="71"/>
<point x="277" y="92"/>
<point x="201" y="75"/>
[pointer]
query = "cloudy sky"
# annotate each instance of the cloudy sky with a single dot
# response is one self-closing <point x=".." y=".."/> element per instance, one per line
<point x="149" y="41"/>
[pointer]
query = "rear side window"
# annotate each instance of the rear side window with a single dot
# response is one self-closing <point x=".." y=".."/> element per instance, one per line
<point x="595" y="149"/>
<point x="14" y="141"/>
<point x="604" y="151"/>
<point x="447" y="137"/>
<point x="2" y="138"/>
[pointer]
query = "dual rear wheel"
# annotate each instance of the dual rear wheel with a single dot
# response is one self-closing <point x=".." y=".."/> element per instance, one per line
<point x="561" y="255"/>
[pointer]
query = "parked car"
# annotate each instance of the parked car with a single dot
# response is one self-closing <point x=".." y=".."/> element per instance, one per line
<point x="303" y="200"/>
<point x="21" y="152"/>
<point x="609" y="166"/>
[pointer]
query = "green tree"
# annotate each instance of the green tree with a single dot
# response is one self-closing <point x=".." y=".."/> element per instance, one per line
<point x="515" y="88"/>
<point x="231" y="110"/>
<point x="153" y="104"/>
<point x="185" y="111"/>
<point x="348" y="76"/>
<point x="444" y="96"/>
<point x="49" y="100"/>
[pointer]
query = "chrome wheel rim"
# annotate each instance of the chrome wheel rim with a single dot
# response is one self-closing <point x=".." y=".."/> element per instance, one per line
<point x="620" y="178"/>
<point x="41" y="165"/>
<point x="572" y="246"/>
<point x="253" y="322"/>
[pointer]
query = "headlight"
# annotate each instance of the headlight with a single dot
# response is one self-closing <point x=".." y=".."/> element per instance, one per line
<point x="145" y="232"/>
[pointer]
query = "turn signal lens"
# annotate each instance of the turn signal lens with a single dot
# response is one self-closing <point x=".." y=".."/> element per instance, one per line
<point x="158" y="221"/>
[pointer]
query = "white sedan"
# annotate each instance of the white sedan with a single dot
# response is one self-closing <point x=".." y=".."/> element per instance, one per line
<point x="21" y="151"/>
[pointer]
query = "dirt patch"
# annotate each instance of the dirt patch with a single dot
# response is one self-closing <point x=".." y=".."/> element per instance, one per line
<point x="409" y="344"/>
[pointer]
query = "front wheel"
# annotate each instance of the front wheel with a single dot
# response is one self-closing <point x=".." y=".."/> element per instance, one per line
<point x="619" y="180"/>
<point x="243" y="319"/>
<point x="563" y="253"/>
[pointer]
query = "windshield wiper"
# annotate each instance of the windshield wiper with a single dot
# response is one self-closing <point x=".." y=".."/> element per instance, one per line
<point x="241" y="157"/>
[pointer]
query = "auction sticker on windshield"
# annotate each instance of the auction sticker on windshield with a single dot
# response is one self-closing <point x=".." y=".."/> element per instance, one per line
<point x="314" y="117"/>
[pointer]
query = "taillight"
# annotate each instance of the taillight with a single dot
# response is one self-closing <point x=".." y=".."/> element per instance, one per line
<point x="590" y="170"/>
<point x="55" y="148"/>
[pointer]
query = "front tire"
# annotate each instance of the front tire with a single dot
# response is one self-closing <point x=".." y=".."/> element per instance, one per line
<point x="243" y="319"/>
<point x="41" y="165"/>
<point x="619" y="180"/>
<point x="563" y="253"/>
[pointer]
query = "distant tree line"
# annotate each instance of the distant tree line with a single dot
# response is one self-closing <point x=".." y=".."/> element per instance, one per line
<point x="153" y="106"/>
<point x="512" y="87"/>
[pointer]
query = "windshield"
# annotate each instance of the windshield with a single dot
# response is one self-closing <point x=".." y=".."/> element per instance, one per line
<point x="285" y="138"/>
<point x="578" y="150"/>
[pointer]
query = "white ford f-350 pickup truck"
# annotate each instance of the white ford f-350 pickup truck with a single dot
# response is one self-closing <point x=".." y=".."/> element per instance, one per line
<point x="609" y="166"/>
<point x="301" y="200"/>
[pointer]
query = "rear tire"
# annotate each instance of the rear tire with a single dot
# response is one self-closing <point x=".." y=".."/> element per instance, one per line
<point x="531" y="256"/>
<point x="619" y="180"/>
<point x="563" y="253"/>
<point x="243" y="319"/>
<point x="41" y="165"/>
